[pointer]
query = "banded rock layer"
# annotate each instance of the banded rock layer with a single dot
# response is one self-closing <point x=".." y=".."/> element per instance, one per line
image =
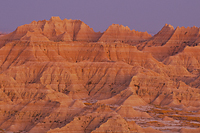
<point x="61" y="76"/>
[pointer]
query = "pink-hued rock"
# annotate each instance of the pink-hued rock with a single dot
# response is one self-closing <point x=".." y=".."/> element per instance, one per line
<point x="119" y="33"/>
<point x="61" y="76"/>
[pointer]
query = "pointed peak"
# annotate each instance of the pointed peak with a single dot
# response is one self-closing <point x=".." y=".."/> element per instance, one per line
<point x="119" y="26"/>
<point x="34" y="22"/>
<point x="170" y="26"/>
<point x="115" y="25"/>
<point x="34" y="36"/>
<point x="64" y="37"/>
<point x="55" y="18"/>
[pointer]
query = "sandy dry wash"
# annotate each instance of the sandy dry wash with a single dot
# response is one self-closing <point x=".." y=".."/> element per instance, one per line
<point x="61" y="76"/>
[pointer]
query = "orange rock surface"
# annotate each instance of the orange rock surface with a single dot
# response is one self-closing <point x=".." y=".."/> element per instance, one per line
<point x="119" y="33"/>
<point x="61" y="76"/>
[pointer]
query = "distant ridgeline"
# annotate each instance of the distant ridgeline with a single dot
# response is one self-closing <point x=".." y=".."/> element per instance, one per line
<point x="61" y="76"/>
<point x="57" y="30"/>
<point x="74" y="30"/>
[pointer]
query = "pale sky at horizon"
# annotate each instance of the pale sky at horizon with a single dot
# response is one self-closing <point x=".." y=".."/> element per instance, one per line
<point x="141" y="15"/>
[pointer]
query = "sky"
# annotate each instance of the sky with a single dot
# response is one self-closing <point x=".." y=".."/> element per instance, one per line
<point x="141" y="15"/>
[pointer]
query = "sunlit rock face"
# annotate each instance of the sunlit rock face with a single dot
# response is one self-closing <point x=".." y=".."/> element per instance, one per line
<point x="119" y="33"/>
<point x="170" y="41"/>
<point x="61" y="76"/>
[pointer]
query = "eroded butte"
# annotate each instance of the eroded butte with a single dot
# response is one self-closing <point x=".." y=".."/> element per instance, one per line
<point x="61" y="76"/>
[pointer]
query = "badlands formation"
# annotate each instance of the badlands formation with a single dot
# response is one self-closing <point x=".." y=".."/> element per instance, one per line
<point x="61" y="76"/>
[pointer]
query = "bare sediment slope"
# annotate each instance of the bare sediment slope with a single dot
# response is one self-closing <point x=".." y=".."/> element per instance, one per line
<point x="170" y="41"/>
<point x="119" y="33"/>
<point x="61" y="76"/>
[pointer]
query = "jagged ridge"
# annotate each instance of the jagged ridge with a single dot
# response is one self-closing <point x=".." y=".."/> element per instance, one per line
<point x="61" y="76"/>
